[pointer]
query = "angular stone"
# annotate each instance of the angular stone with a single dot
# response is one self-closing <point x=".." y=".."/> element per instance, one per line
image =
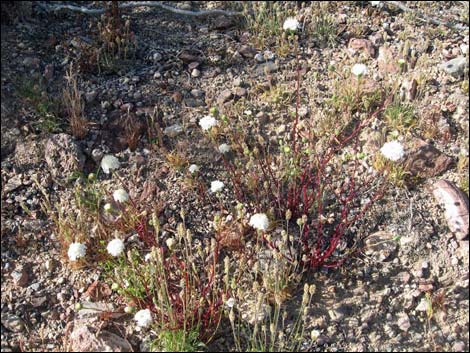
<point x="386" y="61"/>
<point x="362" y="44"/>
<point x="86" y="338"/>
<point x="12" y="322"/>
<point x="173" y="130"/>
<point x="380" y="245"/>
<point x="224" y="96"/>
<point x="247" y="51"/>
<point x="425" y="160"/>
<point x="13" y="183"/>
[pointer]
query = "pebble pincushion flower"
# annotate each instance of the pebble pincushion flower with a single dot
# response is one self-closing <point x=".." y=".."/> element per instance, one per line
<point x="193" y="168"/>
<point x="359" y="69"/>
<point x="393" y="150"/>
<point x="109" y="163"/>
<point x="143" y="318"/>
<point x="217" y="186"/>
<point x="224" y="148"/>
<point x="259" y="221"/>
<point x="291" y="24"/>
<point x="115" y="247"/>
<point x="76" y="251"/>
<point x="207" y="122"/>
<point x="120" y="195"/>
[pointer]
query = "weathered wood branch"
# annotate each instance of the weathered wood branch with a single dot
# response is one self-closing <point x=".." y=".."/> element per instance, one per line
<point x="88" y="11"/>
<point x="425" y="18"/>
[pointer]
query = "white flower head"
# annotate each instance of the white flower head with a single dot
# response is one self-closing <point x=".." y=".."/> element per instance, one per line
<point x="217" y="186"/>
<point x="291" y="24"/>
<point x="224" y="148"/>
<point x="393" y="150"/>
<point x="170" y="242"/>
<point x="120" y="195"/>
<point x="359" y="69"/>
<point x="115" y="247"/>
<point x="143" y="318"/>
<point x="76" y="251"/>
<point x="207" y="122"/>
<point x="230" y="303"/>
<point x="109" y="163"/>
<point x="259" y="221"/>
<point x="314" y="335"/>
<point x="148" y="257"/>
<point x="193" y="168"/>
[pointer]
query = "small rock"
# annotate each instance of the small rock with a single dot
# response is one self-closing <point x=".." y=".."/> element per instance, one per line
<point x="97" y="155"/>
<point x="197" y="93"/>
<point x="423" y="305"/>
<point x="156" y="57"/>
<point x="459" y="346"/>
<point x="21" y="276"/>
<point x="386" y="61"/>
<point x="454" y="67"/>
<point x="267" y="68"/>
<point x="240" y="91"/>
<point x="49" y="72"/>
<point x="12" y="322"/>
<point x="259" y="58"/>
<point x="126" y="107"/>
<point x="380" y="245"/>
<point x="90" y="96"/>
<point x="193" y="65"/>
<point x="269" y="55"/>
<point x="224" y="96"/>
<point x="13" y="183"/>
<point x="356" y="44"/>
<point x="177" y="97"/>
<point x="247" y="51"/>
<point x="195" y="73"/>
<point x="173" y="130"/>
<point x="31" y="62"/>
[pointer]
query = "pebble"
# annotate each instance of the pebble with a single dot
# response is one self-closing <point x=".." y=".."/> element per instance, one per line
<point x="259" y="58"/>
<point x="13" y="322"/>
<point x="459" y="346"/>
<point x="90" y="96"/>
<point x="197" y="93"/>
<point x="403" y="322"/>
<point x="224" y="96"/>
<point x="195" y="73"/>
<point x="173" y="130"/>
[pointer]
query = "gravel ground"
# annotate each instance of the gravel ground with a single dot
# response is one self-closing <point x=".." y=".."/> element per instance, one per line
<point x="406" y="289"/>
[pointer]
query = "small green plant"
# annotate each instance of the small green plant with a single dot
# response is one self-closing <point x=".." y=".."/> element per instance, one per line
<point x="400" y="116"/>
<point x="33" y="92"/>
<point x="177" y="341"/>
<point x="462" y="168"/>
<point x="324" y="28"/>
<point x="264" y="19"/>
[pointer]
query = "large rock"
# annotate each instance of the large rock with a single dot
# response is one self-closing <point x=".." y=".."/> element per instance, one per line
<point x="86" y="338"/>
<point x="425" y="160"/>
<point x="28" y="154"/>
<point x="455" y="202"/>
<point x="63" y="156"/>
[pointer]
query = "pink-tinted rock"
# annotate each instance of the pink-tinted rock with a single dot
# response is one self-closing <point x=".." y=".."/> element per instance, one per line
<point x="386" y="61"/>
<point x="455" y="202"/>
<point x="425" y="160"/>
<point x="362" y="44"/>
<point x="84" y="338"/>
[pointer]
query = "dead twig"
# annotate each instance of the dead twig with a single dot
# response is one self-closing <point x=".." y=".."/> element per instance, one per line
<point x="88" y="11"/>
<point x="425" y="18"/>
